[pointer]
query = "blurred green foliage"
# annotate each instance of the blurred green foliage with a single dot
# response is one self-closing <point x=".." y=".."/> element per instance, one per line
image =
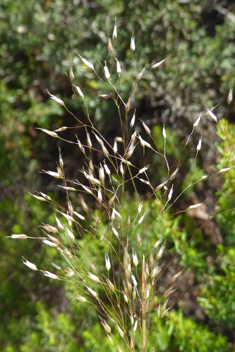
<point x="218" y="289"/>
<point x="39" y="42"/>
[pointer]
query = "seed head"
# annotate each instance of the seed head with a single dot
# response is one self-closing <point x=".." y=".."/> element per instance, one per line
<point x="61" y="129"/>
<point x="93" y="277"/>
<point x="70" y="234"/>
<point x="53" y="174"/>
<point x="121" y="333"/>
<point x="78" y="90"/>
<point x="156" y="270"/>
<point x="105" y="96"/>
<point x="29" y="264"/>
<point x="164" y="132"/>
<point x="99" y="196"/>
<point x="51" y="133"/>
<point x="115" y="148"/>
<point x="91" y="167"/>
<point x="128" y="105"/>
<point x="88" y="139"/>
<point x="101" y="174"/>
<point x="134" y="280"/>
<point x="87" y="63"/>
<point x="143" y="143"/>
<point x="155" y="246"/>
<point x="141" y="219"/>
<point x="19" y="237"/>
<point x="119" y="70"/>
<point x="168" y="291"/>
<point x="115" y="32"/>
<point x="170" y="194"/>
<point x="115" y="232"/>
<point x="81" y="298"/>
<point x="57" y="100"/>
<point x="160" y="186"/>
<point x="49" y="243"/>
<point x="132" y="45"/>
<point x="197" y="121"/>
<point x="230" y="96"/>
<point x="105" y="151"/>
<point x="110" y="340"/>
<point x="225" y="169"/>
<point x="83" y="204"/>
<point x="121" y="169"/>
<point x="140" y="75"/>
<point x="59" y="223"/>
<point x="49" y="228"/>
<point x="109" y="283"/>
<point x="71" y="74"/>
<point x="130" y="150"/>
<point x="39" y="198"/>
<point x="110" y="46"/>
<point x="107" y="262"/>
<point x="135" y="259"/>
<point x="79" y="215"/>
<point x="54" y="239"/>
<point x="174" y="174"/>
<point x="135" y="325"/>
<point x="80" y="146"/>
<point x="45" y="196"/>
<point x="49" y="274"/>
<point x="125" y="298"/>
<point x="106" y="71"/>
<point x="147" y="130"/>
<point x="108" y="172"/>
<point x="144" y="169"/>
<point x="199" y="144"/>
<point x="157" y="64"/>
<point x="106" y="327"/>
<point x="139" y="240"/>
<point x="212" y="115"/>
<point x="92" y="292"/>
<point x="176" y="276"/>
<point x="132" y="120"/>
<point x="151" y="260"/>
<point x="160" y="252"/>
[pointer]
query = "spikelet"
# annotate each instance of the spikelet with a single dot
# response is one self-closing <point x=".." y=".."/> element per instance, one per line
<point x="21" y="236"/>
<point x="107" y="262"/>
<point x="51" y="133"/>
<point x="230" y="96"/>
<point x="147" y="130"/>
<point x="110" y="46"/>
<point x="199" y="145"/>
<point x="140" y="75"/>
<point x="119" y="70"/>
<point x="57" y="100"/>
<point x="132" y="45"/>
<point x="30" y="265"/>
<point x="71" y="74"/>
<point x="211" y="114"/>
<point x="106" y="71"/>
<point x="115" y="32"/>
<point x="49" y="274"/>
<point x="78" y="90"/>
<point x="132" y="120"/>
<point x="87" y="63"/>
<point x="157" y="64"/>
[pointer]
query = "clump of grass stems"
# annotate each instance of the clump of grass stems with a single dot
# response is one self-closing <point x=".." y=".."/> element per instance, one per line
<point x="131" y="266"/>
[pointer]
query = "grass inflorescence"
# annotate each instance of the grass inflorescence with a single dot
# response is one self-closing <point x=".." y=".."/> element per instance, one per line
<point x="112" y="260"/>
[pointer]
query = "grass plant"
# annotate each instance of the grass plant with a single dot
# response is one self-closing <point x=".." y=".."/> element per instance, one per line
<point x="102" y="230"/>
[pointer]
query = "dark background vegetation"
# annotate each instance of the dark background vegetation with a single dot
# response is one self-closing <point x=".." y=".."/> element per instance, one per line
<point x="39" y="42"/>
